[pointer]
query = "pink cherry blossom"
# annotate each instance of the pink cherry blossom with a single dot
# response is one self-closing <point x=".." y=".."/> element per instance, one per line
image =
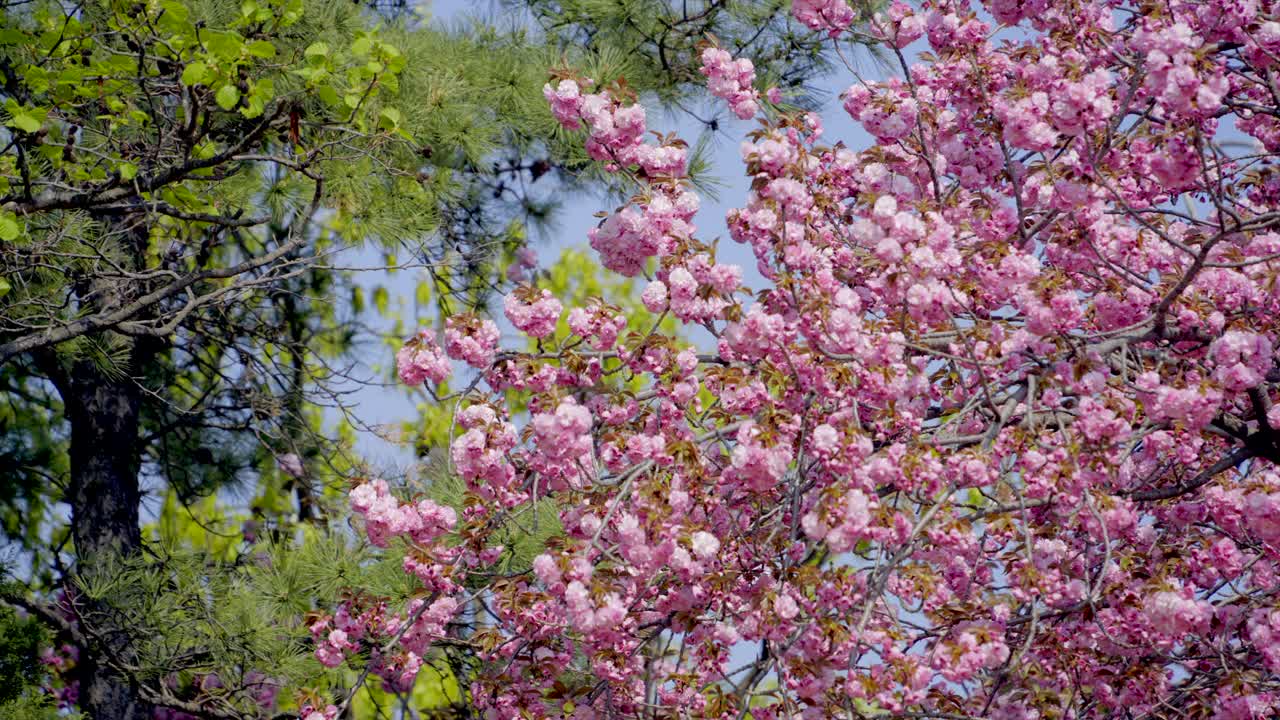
<point x="833" y="16"/>
<point x="421" y="359"/>
<point x="533" y="312"/>
<point x="471" y="339"/>
<point x="731" y="80"/>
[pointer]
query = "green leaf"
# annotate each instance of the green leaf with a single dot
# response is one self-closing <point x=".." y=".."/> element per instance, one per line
<point x="316" y="49"/>
<point x="128" y="171"/>
<point x="36" y="78"/>
<point x="262" y="49"/>
<point x="173" y="17"/>
<point x="195" y="73"/>
<point x="224" y="45"/>
<point x="5" y="287"/>
<point x="204" y="150"/>
<point x="175" y="10"/>
<point x="361" y="46"/>
<point x="292" y="13"/>
<point x="254" y="107"/>
<point x="10" y="229"/>
<point x="380" y="299"/>
<point x="328" y="94"/>
<point x="259" y="94"/>
<point x="23" y="117"/>
<point x="228" y="96"/>
<point x="24" y="122"/>
<point x="391" y="118"/>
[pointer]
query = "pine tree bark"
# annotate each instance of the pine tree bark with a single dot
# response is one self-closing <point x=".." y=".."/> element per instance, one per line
<point x="103" y="405"/>
<point x="104" y="495"/>
<point x="104" y="415"/>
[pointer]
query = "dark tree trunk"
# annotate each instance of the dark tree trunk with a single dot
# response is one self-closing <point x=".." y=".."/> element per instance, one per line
<point x="103" y="404"/>
<point x="104" y="416"/>
<point x="104" y="496"/>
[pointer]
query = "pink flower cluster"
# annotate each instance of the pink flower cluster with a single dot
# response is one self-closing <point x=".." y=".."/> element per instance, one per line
<point x="889" y="116"/>
<point x="385" y="517"/>
<point x="629" y="237"/>
<point x="841" y="526"/>
<point x="563" y="440"/>
<point x="532" y="312"/>
<point x="362" y="625"/>
<point x="900" y="25"/>
<point x="659" y="222"/>
<point x="833" y="16"/>
<point x="480" y="453"/>
<point x="1241" y="359"/>
<point x="615" y="130"/>
<point x="329" y="712"/>
<point x="700" y="289"/>
<point x="421" y="359"/>
<point x="1176" y="614"/>
<point x="755" y="463"/>
<point x="974" y="649"/>
<point x="731" y="80"/>
<point x="597" y="323"/>
<point x="525" y="260"/>
<point x="471" y="339"/>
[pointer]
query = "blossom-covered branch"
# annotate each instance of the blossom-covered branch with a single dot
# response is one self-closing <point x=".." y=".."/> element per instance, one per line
<point x="997" y="439"/>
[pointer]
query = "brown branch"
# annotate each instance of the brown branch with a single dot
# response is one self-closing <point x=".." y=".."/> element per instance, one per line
<point x="1232" y="459"/>
<point x="107" y="320"/>
<point x="171" y="211"/>
<point x="117" y="190"/>
<point x="46" y="614"/>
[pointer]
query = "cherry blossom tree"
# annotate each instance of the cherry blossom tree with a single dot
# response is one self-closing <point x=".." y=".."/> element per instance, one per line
<point x="997" y="439"/>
